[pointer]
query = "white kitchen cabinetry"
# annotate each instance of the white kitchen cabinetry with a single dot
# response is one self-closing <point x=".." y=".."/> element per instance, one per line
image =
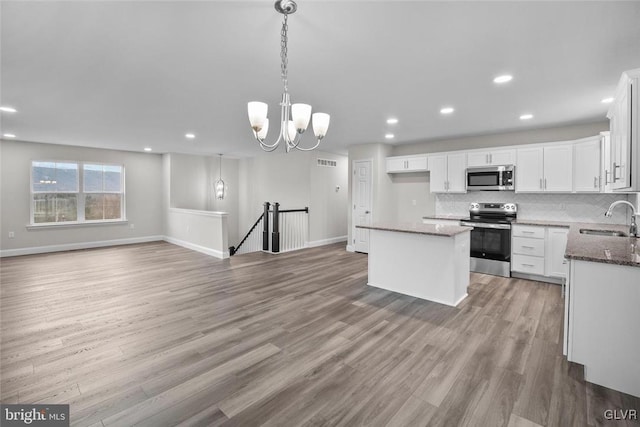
<point x="538" y="252"/>
<point x="623" y="123"/>
<point x="545" y="169"/>
<point x="491" y="158"/>
<point x="405" y="164"/>
<point x="555" y="246"/>
<point x="448" y="173"/>
<point x="605" y="157"/>
<point x="601" y="323"/>
<point x="587" y="166"/>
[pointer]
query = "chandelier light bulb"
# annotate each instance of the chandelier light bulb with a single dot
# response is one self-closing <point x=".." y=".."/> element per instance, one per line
<point x="301" y="114"/>
<point x="291" y="130"/>
<point x="320" y="124"/>
<point x="257" y="114"/>
<point x="262" y="134"/>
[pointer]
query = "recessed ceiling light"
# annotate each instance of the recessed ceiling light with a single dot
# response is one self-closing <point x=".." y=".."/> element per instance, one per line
<point x="607" y="101"/>
<point x="392" y="121"/>
<point x="503" y="79"/>
<point x="147" y="148"/>
<point x="389" y="136"/>
<point x="190" y="135"/>
<point x="447" y="110"/>
<point x="8" y="135"/>
<point x="8" y="109"/>
<point x="526" y="116"/>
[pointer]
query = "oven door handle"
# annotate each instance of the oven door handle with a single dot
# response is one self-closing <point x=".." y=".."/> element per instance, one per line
<point x="486" y="225"/>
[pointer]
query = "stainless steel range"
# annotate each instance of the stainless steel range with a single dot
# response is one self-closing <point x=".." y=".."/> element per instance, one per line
<point x="491" y="237"/>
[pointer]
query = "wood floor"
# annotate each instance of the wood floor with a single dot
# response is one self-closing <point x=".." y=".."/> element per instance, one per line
<point x="156" y="335"/>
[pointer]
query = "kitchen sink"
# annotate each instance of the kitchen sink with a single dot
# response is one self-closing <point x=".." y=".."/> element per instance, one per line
<point x="611" y="233"/>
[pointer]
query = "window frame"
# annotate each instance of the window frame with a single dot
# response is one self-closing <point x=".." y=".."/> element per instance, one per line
<point x="80" y="194"/>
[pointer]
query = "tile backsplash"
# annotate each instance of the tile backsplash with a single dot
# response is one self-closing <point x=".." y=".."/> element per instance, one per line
<point x="555" y="207"/>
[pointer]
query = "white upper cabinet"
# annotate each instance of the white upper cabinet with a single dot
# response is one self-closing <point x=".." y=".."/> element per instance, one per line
<point x="623" y="124"/>
<point x="558" y="168"/>
<point x="605" y="161"/>
<point x="530" y="170"/>
<point x="405" y="164"/>
<point x="448" y="173"/>
<point x="587" y="166"/>
<point x="545" y="169"/>
<point x="491" y="157"/>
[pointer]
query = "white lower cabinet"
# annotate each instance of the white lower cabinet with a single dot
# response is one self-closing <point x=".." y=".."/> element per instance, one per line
<point x="555" y="245"/>
<point x="601" y="323"/>
<point x="539" y="251"/>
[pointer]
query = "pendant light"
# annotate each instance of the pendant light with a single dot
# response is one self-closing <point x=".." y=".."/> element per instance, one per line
<point x="219" y="186"/>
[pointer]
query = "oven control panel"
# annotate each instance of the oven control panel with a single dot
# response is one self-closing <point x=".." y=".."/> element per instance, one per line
<point x="506" y="208"/>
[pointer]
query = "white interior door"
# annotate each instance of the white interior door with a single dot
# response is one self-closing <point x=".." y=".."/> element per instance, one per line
<point x="361" y="195"/>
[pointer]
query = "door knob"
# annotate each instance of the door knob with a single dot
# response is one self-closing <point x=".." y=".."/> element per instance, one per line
<point x="367" y="212"/>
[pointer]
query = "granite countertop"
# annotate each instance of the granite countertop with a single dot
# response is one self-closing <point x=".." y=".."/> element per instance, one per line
<point x="447" y="217"/>
<point x="544" y="223"/>
<point x="605" y="249"/>
<point x="419" y="228"/>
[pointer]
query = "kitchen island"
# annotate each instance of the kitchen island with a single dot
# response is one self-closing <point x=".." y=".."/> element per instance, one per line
<point x="427" y="261"/>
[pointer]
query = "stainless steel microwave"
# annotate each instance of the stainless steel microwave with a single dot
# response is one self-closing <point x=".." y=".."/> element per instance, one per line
<point x="491" y="178"/>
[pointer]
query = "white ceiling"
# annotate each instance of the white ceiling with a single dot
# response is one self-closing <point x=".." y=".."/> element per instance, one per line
<point x="126" y="75"/>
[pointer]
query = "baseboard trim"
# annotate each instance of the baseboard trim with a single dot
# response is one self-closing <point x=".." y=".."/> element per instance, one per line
<point x="198" y="248"/>
<point x="330" y="241"/>
<point x="77" y="246"/>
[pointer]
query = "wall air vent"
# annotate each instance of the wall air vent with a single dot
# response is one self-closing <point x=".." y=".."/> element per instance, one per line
<point x="327" y="163"/>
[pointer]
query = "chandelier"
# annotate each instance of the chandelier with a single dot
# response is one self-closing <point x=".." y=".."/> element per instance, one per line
<point x="294" y="119"/>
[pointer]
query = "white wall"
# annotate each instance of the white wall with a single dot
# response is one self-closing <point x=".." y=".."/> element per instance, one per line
<point x="533" y="136"/>
<point x="295" y="181"/>
<point x="383" y="204"/>
<point x="143" y="196"/>
<point x="191" y="186"/>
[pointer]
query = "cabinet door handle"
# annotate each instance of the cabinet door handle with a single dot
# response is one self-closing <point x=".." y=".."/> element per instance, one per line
<point x="615" y="178"/>
<point x="541" y="183"/>
<point x="491" y="158"/>
<point x="595" y="182"/>
<point x="545" y="183"/>
<point x="527" y="232"/>
<point x="528" y="265"/>
<point x="528" y="247"/>
<point x="606" y="177"/>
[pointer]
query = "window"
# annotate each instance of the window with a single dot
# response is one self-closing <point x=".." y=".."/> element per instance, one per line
<point x="76" y="192"/>
<point x="102" y="192"/>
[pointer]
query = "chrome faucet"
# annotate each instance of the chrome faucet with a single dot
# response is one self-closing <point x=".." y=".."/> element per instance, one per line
<point x="633" y="228"/>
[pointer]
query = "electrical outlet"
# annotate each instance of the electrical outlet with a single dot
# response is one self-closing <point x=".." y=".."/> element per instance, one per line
<point x="12" y="234"/>
<point x="132" y="226"/>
